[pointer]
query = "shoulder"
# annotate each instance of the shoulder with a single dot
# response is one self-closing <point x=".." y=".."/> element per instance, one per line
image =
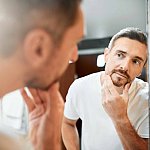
<point x="85" y="83"/>
<point x="87" y="79"/>
<point x="140" y="85"/>
<point x="139" y="88"/>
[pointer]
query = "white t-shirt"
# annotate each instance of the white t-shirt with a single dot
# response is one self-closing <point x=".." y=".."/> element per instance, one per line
<point x="13" y="112"/>
<point x="98" y="132"/>
<point x="13" y="123"/>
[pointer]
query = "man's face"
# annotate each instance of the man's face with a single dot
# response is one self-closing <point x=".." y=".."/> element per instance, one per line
<point x="60" y="57"/>
<point x="125" y="61"/>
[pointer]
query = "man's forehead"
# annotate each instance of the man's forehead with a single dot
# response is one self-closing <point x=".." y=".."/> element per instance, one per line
<point x="133" y="47"/>
<point x="126" y="41"/>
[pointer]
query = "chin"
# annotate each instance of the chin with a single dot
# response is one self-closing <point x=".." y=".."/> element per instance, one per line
<point x="118" y="81"/>
<point x="118" y="84"/>
<point x="39" y="83"/>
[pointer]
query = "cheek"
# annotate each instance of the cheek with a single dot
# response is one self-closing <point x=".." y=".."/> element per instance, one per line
<point x="135" y="73"/>
<point x="64" y="63"/>
<point x="110" y="65"/>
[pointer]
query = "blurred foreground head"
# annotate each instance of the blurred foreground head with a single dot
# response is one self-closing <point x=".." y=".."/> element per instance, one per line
<point x="39" y="37"/>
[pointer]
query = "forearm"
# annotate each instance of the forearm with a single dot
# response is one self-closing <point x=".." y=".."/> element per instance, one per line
<point x="52" y="130"/>
<point x="52" y="124"/>
<point x="48" y="136"/>
<point x="70" y="137"/>
<point x="48" y="140"/>
<point x="128" y="136"/>
<point x="52" y="142"/>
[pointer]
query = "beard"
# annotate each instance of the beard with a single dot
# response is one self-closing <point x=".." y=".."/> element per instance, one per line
<point x="37" y="84"/>
<point x="120" y="77"/>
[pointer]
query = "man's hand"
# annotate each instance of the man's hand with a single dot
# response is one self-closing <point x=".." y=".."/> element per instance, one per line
<point x="114" y="104"/>
<point x="45" y="117"/>
<point x="116" y="107"/>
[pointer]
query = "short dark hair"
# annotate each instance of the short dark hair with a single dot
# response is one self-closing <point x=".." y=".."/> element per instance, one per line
<point x="17" y="17"/>
<point x="131" y="33"/>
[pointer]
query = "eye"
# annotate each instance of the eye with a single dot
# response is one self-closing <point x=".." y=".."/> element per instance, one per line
<point x="120" y="55"/>
<point x="137" y="62"/>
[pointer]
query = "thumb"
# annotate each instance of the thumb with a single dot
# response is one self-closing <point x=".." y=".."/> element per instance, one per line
<point x="56" y="101"/>
<point x="27" y="100"/>
<point x="125" y="94"/>
<point x="54" y="87"/>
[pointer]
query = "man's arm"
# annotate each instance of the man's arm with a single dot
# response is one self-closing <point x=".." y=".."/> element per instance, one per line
<point x="70" y="134"/>
<point x="116" y="107"/>
<point x="129" y="138"/>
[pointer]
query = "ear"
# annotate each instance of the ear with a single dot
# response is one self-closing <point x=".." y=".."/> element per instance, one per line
<point x="106" y="52"/>
<point x="37" y="47"/>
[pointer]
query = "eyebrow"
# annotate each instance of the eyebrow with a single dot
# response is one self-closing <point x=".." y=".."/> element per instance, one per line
<point x="137" y="57"/>
<point x="121" y="51"/>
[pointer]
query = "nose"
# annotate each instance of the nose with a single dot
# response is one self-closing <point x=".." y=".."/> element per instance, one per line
<point x="74" y="56"/>
<point x="125" y="65"/>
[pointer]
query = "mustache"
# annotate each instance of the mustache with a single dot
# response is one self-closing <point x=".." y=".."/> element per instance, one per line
<point x="124" y="73"/>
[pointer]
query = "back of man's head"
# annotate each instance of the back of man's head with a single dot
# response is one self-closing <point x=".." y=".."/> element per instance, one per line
<point x="18" y="17"/>
<point x="131" y="33"/>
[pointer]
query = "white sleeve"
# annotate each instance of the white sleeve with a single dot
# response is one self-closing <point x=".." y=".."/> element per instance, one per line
<point x="139" y="108"/>
<point x="70" y="110"/>
<point x="143" y="111"/>
<point x="143" y="129"/>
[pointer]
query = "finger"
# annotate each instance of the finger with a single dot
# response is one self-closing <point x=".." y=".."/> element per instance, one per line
<point x="110" y="86"/>
<point x="56" y="99"/>
<point x="106" y="94"/>
<point x="54" y="87"/>
<point x="106" y="89"/>
<point x="125" y="94"/>
<point x="27" y="100"/>
<point x="36" y="98"/>
<point x="127" y="86"/>
<point x="44" y="97"/>
<point x="39" y="111"/>
<point x="103" y="94"/>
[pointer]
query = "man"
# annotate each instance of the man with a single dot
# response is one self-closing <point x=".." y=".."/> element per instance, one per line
<point x="113" y="105"/>
<point x="38" y="38"/>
